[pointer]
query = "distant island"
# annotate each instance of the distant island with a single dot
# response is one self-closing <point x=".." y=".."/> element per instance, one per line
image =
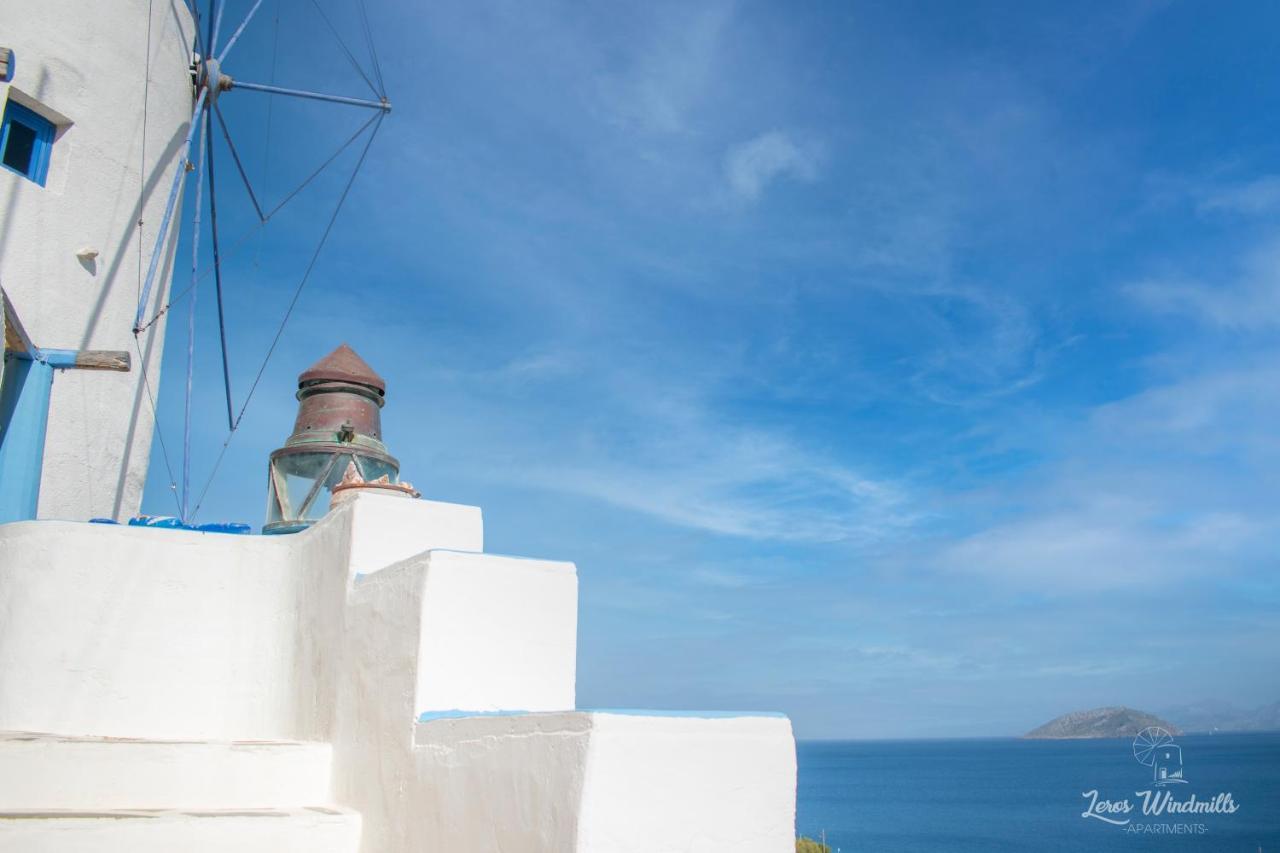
<point x="1113" y="721"/>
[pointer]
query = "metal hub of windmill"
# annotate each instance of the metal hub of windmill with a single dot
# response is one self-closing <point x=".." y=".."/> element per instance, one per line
<point x="209" y="83"/>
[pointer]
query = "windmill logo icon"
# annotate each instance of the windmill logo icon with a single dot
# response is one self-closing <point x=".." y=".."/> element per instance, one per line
<point x="1154" y="748"/>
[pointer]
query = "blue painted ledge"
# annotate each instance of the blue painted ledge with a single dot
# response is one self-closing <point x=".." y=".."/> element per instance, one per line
<point x="428" y="716"/>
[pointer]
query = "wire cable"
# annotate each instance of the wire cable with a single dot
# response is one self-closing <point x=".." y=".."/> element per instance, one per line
<point x="191" y="316"/>
<point x="142" y="166"/>
<point x="345" y="49"/>
<point x="155" y="418"/>
<point x="235" y="156"/>
<point x="266" y="140"/>
<point x="297" y="293"/>
<point x="142" y="197"/>
<point x="252" y="229"/>
<point x="310" y="266"/>
<point x="373" y="52"/>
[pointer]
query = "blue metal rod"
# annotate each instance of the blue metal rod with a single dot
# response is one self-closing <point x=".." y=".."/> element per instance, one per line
<point x="217" y="278"/>
<point x="235" y="156"/>
<point x="216" y="25"/>
<point x="168" y="214"/>
<point x="198" y="44"/>
<point x="383" y="105"/>
<point x="236" y="35"/>
<point x="191" y="320"/>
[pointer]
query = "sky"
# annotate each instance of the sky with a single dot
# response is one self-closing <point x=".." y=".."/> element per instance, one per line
<point x="909" y="368"/>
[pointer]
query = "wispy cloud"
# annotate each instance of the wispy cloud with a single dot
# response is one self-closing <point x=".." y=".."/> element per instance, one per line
<point x="1254" y="197"/>
<point x="796" y="322"/>
<point x="695" y="470"/>
<point x="751" y="166"/>
<point x="1164" y="487"/>
<point x="722" y="578"/>
<point x="1097" y="550"/>
<point x="1245" y="298"/>
<point x="668" y="72"/>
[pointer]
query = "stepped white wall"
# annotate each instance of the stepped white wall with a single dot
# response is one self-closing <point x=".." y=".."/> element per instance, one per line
<point x="590" y="782"/>
<point x="443" y="683"/>
<point x="83" y="65"/>
<point x="42" y="772"/>
<point x="138" y="632"/>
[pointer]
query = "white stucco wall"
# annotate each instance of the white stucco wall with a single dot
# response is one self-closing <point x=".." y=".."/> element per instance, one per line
<point x="138" y="632"/>
<point x="148" y="633"/>
<point x="443" y="525"/>
<point x="684" y="783"/>
<point x="40" y="772"/>
<point x="441" y="631"/>
<point x="133" y="632"/>
<point x="497" y="633"/>
<point x="85" y="65"/>
<point x="577" y="782"/>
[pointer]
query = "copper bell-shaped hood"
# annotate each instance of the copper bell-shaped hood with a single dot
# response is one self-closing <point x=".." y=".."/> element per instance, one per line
<point x="340" y="391"/>
<point x="337" y="434"/>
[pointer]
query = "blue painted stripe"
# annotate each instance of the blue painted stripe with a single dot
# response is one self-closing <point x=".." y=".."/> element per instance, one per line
<point x="458" y="714"/>
<point x="63" y="358"/>
<point x="428" y="716"/>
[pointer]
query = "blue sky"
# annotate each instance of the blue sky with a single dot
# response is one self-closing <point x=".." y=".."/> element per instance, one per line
<point x="906" y="367"/>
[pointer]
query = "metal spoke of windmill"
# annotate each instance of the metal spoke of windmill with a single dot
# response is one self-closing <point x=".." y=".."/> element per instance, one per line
<point x="210" y="84"/>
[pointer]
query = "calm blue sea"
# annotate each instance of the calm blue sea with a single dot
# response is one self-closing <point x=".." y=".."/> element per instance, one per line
<point x="956" y="796"/>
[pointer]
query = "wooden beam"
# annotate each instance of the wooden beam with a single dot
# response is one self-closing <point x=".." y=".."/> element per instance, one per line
<point x="87" y="359"/>
<point x="101" y="359"/>
<point x="16" y="338"/>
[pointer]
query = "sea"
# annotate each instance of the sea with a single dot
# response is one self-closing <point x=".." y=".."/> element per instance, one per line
<point x="1008" y="794"/>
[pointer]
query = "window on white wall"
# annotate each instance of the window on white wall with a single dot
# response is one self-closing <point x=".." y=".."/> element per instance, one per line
<point x="26" y="141"/>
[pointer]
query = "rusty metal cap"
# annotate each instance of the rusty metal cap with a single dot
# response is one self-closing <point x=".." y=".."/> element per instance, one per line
<point x="342" y="365"/>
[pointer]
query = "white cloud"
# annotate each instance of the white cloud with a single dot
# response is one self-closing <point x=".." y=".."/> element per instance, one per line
<point x="722" y="578"/>
<point x="1162" y="488"/>
<point x="751" y="166"/>
<point x="1230" y="410"/>
<point x="653" y="440"/>
<point x="1248" y="298"/>
<point x="708" y="474"/>
<point x="1090" y="549"/>
<point x="1255" y="198"/>
<point x="671" y="70"/>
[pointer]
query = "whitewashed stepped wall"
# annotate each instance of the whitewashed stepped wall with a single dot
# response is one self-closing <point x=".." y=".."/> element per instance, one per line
<point x="137" y="632"/>
<point x="301" y="830"/>
<point x="42" y="772"/>
<point x="156" y="633"/>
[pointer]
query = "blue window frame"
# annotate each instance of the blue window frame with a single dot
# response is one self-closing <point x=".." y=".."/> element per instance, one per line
<point x="26" y="140"/>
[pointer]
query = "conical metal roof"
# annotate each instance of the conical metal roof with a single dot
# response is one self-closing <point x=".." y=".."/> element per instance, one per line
<point x="342" y="365"/>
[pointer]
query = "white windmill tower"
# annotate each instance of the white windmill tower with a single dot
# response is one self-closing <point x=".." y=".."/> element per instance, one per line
<point x="109" y="117"/>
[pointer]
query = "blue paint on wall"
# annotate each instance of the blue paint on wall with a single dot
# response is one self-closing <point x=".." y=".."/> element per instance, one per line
<point x="24" y="416"/>
<point x="428" y="716"/>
